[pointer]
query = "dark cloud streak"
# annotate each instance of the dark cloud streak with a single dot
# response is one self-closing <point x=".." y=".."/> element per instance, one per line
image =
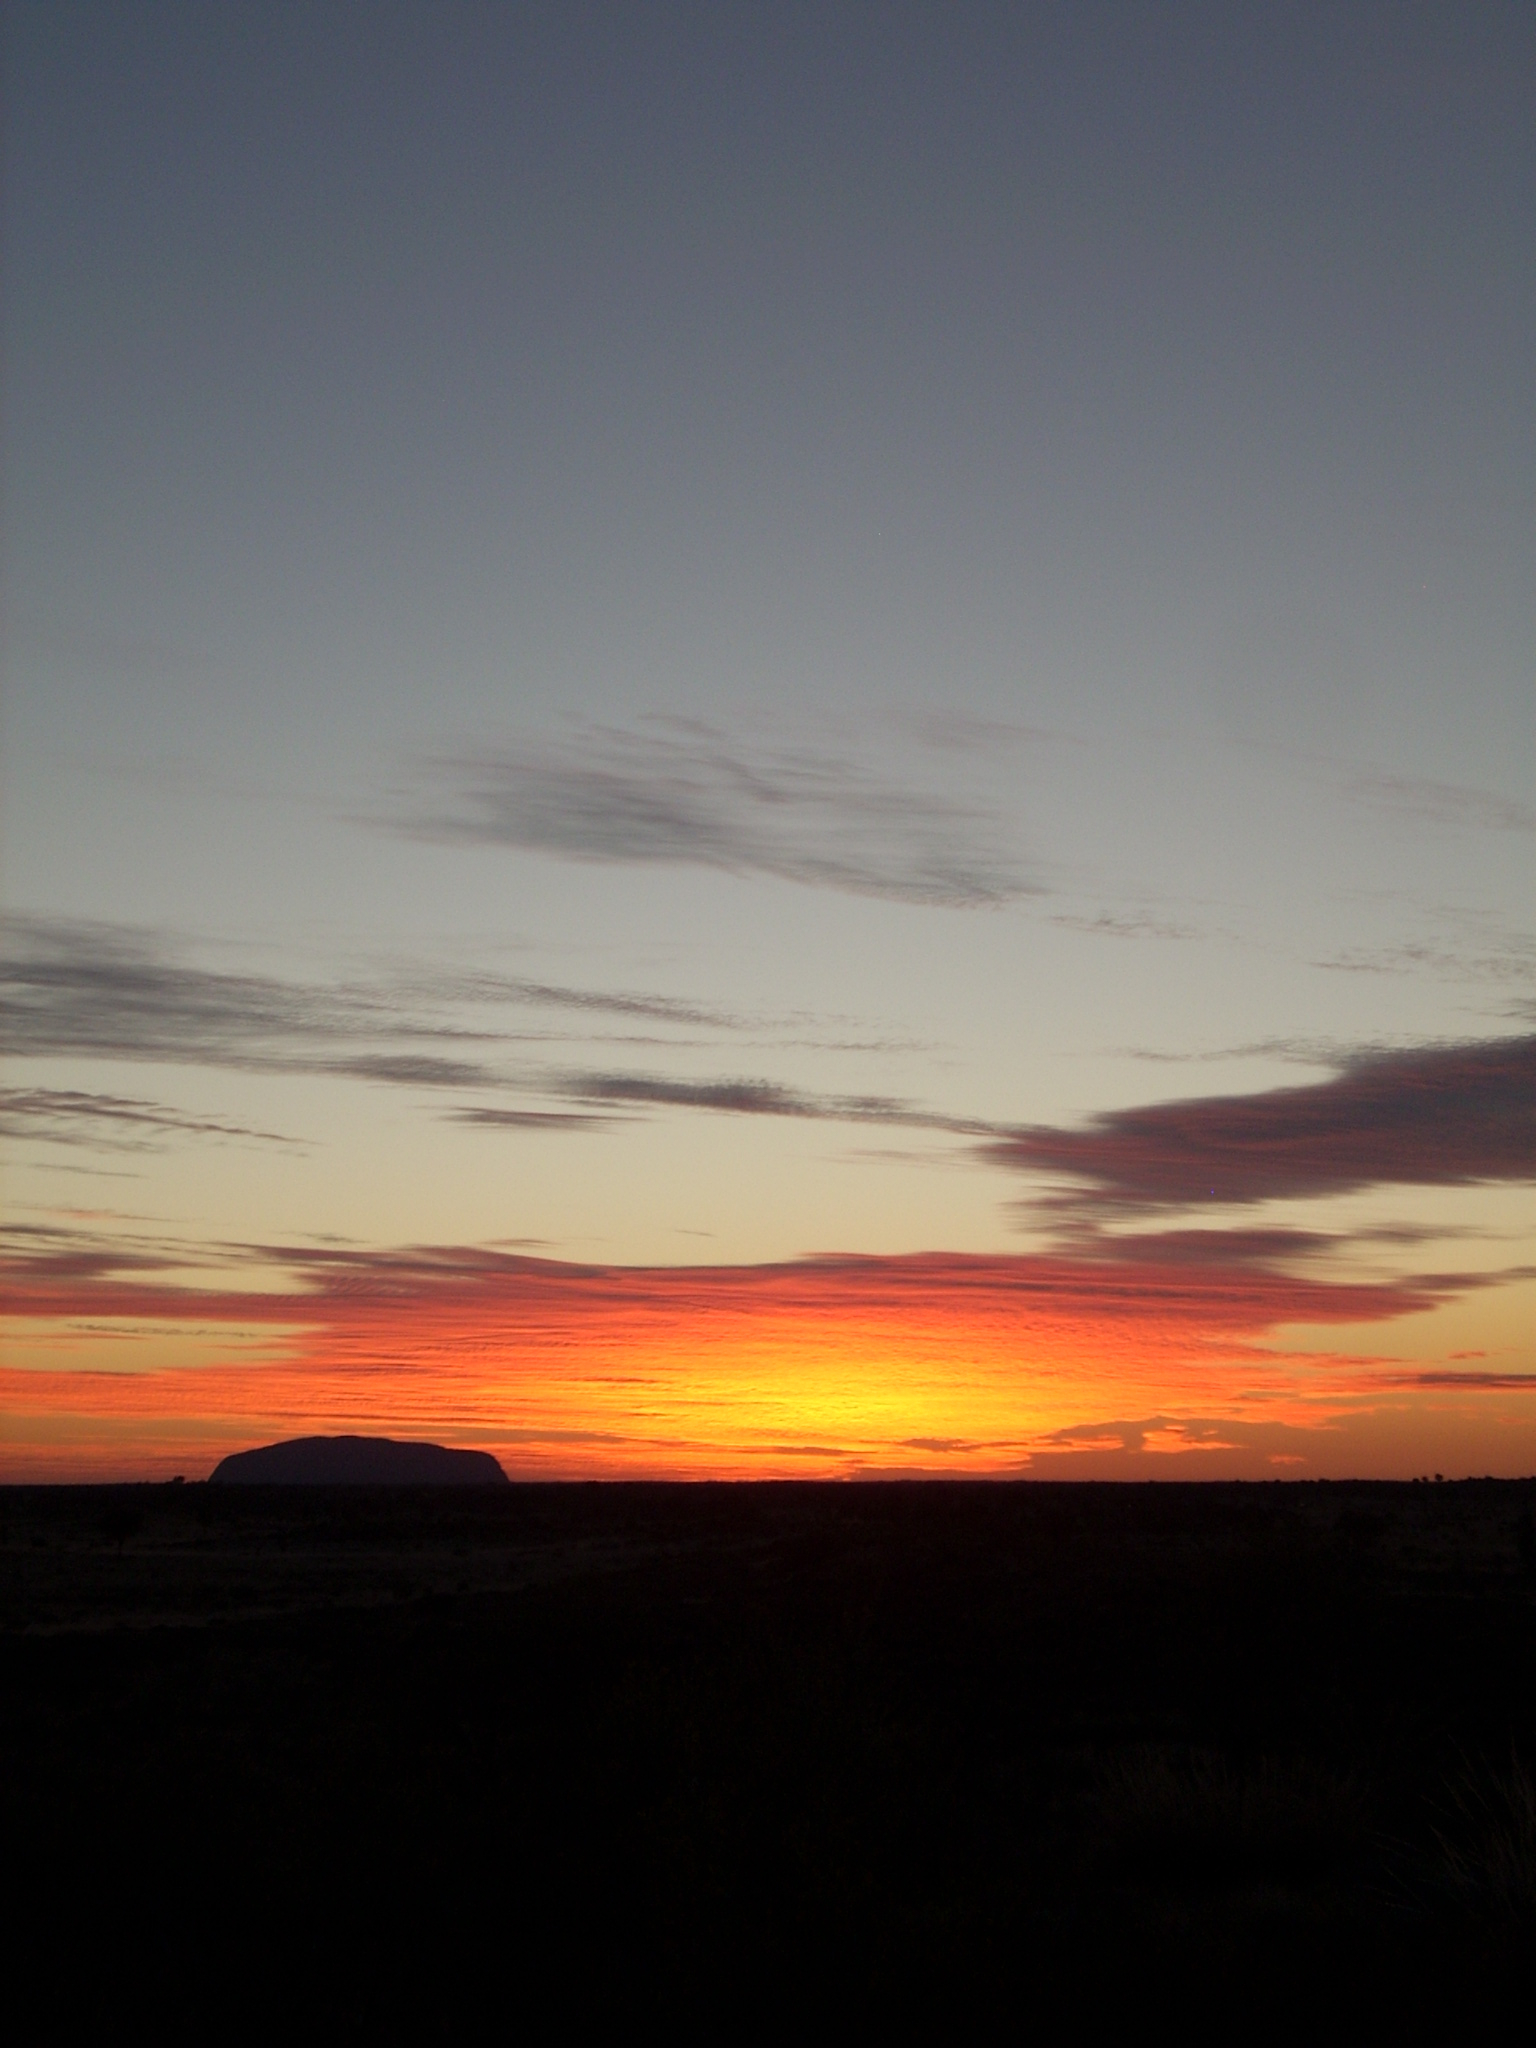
<point x="685" y="796"/>
<point x="736" y="1097"/>
<point x="483" y="1118"/>
<point x="1444" y="1116"/>
<point x="70" y="988"/>
<point x="68" y="1116"/>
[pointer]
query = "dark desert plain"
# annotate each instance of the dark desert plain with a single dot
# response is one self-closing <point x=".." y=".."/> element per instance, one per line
<point x="742" y="1755"/>
<point x="767" y="768"/>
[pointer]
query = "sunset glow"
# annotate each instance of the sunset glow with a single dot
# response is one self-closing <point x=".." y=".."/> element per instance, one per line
<point x="826" y="1368"/>
<point x="752" y="753"/>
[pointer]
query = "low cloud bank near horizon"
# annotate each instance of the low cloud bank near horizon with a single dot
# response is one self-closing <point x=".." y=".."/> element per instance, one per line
<point x="132" y="1357"/>
<point x="51" y="1272"/>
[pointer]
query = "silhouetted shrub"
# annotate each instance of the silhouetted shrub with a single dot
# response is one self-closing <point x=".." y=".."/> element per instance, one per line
<point x="1194" y="1820"/>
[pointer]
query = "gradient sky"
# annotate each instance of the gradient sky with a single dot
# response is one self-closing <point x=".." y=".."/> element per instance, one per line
<point x="770" y="739"/>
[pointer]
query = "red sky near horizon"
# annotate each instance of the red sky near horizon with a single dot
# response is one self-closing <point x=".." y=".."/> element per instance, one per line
<point x="1158" y="1354"/>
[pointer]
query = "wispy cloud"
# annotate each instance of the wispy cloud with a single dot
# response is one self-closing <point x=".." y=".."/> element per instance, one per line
<point x="492" y="1119"/>
<point x="1442" y="803"/>
<point x="1107" y="924"/>
<point x="1459" y="1380"/>
<point x="1443" y="1116"/>
<point x="1144" y="1280"/>
<point x="958" y="732"/>
<point x="68" y="1116"/>
<point x="84" y="989"/>
<point x="405" y="1069"/>
<point x="682" y="794"/>
<point x="74" y="988"/>
<point x="1478" y="953"/>
<point x="624" y="1005"/>
<point x="738" y="1097"/>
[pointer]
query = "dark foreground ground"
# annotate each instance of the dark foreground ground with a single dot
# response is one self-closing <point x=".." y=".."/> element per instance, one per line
<point x="922" y="1755"/>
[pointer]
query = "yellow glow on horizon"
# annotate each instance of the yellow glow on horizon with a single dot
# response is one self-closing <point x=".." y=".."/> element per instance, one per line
<point x="676" y="1374"/>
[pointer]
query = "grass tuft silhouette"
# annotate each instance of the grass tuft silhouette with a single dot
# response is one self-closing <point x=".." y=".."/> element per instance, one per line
<point x="1489" y="1842"/>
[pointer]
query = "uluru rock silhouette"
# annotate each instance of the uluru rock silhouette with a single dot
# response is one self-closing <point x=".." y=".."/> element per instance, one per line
<point x="356" y="1461"/>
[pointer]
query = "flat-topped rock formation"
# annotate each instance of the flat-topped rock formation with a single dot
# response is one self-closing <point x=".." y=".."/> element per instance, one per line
<point x="356" y="1461"/>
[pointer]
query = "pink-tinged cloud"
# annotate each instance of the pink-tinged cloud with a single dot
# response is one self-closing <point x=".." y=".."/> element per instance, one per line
<point x="1447" y="1116"/>
<point x="1178" y="1276"/>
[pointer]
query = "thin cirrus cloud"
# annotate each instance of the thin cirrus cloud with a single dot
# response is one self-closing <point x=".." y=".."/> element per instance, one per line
<point x="105" y="991"/>
<point x="1433" y="1116"/>
<point x="739" y="1097"/>
<point x="1485" y="955"/>
<point x="72" y="1116"/>
<point x="70" y="988"/>
<point x="485" y="1118"/>
<point x="1108" y="924"/>
<point x="75" y="988"/>
<point x="684" y="796"/>
<point x="1440" y="1116"/>
<point x="1443" y="803"/>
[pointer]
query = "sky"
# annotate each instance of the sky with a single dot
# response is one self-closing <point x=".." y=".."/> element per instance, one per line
<point x="769" y="740"/>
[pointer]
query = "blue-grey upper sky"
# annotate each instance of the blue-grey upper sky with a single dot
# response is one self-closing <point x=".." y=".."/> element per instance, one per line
<point x="1108" y="360"/>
